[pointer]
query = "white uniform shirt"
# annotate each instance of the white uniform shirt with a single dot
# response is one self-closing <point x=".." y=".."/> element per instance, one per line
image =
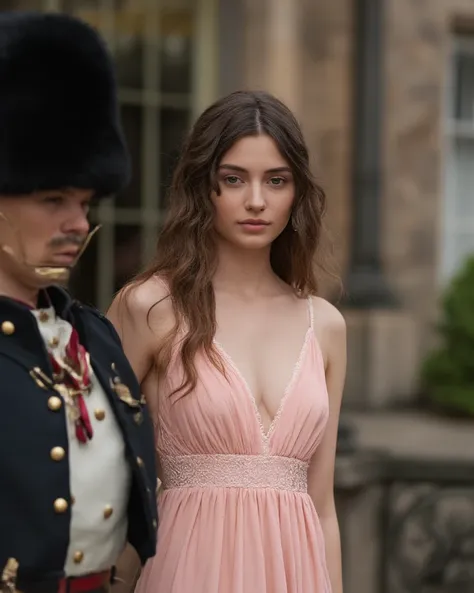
<point x="100" y="476"/>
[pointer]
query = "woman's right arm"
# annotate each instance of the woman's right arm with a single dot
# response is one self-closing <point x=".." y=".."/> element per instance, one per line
<point x="142" y="316"/>
<point x="140" y="333"/>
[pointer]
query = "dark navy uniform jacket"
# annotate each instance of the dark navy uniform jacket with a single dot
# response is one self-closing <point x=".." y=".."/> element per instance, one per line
<point x="34" y="528"/>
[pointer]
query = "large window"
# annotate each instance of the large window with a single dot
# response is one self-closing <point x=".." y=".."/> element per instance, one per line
<point x="165" y="53"/>
<point x="459" y="200"/>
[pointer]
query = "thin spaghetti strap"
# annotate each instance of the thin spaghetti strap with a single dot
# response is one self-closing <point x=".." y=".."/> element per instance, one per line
<point x="311" y="312"/>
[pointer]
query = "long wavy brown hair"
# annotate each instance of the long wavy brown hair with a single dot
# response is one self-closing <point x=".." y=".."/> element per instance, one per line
<point x="186" y="257"/>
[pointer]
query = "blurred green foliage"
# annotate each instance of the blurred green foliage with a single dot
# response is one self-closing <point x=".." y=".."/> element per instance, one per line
<point x="448" y="371"/>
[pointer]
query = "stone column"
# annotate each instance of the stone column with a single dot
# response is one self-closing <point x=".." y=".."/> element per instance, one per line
<point x="205" y="59"/>
<point x="366" y="284"/>
<point x="271" y="49"/>
<point x="282" y="72"/>
<point x="382" y="338"/>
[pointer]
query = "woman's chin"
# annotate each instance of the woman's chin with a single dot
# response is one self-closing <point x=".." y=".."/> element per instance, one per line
<point x="259" y="241"/>
<point x="253" y="243"/>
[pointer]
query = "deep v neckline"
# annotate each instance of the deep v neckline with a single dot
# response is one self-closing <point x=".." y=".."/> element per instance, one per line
<point x="266" y="434"/>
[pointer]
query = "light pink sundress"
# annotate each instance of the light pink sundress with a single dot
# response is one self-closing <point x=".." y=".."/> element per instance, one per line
<point x="235" y="516"/>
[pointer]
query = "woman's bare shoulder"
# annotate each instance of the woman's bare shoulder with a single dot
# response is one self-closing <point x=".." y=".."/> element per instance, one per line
<point x="329" y="327"/>
<point x="144" y="302"/>
<point x="327" y="316"/>
<point x="141" y="296"/>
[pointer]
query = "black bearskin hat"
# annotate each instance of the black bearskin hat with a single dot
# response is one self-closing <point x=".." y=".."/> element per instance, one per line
<point x="59" y="117"/>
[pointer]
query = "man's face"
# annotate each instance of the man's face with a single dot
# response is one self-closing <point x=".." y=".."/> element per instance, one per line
<point x="51" y="226"/>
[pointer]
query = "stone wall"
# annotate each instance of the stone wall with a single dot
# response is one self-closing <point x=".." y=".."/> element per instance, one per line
<point x="418" y="43"/>
<point x="418" y="36"/>
<point x="325" y="109"/>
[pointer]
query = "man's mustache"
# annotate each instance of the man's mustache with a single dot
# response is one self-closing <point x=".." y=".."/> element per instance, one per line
<point x="67" y="241"/>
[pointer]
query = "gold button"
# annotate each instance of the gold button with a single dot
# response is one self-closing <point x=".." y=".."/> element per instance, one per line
<point x="108" y="510"/>
<point x="54" y="342"/>
<point x="138" y="418"/>
<point x="43" y="316"/>
<point x="55" y="403"/>
<point x="155" y="524"/>
<point x="8" y="328"/>
<point x="140" y="462"/>
<point x="57" y="453"/>
<point x="60" y="505"/>
<point x="99" y="414"/>
<point x="78" y="556"/>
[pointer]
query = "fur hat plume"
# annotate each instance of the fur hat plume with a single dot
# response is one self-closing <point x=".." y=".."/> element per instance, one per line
<point x="59" y="117"/>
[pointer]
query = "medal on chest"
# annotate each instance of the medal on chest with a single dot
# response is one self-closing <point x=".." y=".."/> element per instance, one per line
<point x="72" y="378"/>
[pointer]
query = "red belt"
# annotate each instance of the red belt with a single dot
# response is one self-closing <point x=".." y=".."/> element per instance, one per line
<point x="85" y="583"/>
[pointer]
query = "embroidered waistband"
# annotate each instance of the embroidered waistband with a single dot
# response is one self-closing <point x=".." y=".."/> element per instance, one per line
<point x="234" y="471"/>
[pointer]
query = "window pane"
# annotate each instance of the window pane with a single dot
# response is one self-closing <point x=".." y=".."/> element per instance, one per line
<point x="92" y="12"/>
<point x="459" y="206"/>
<point x="132" y="123"/>
<point x="463" y="178"/>
<point x="127" y="254"/>
<point x="464" y="87"/>
<point x="128" y="47"/>
<point x="84" y="9"/>
<point x="173" y="127"/>
<point x="8" y="5"/>
<point x="124" y="28"/>
<point x="176" y="51"/>
<point x="462" y="247"/>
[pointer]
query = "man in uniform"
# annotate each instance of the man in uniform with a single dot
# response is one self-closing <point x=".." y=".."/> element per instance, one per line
<point x="77" y="467"/>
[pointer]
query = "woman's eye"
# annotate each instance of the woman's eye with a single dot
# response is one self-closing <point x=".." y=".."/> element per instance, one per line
<point x="232" y="179"/>
<point x="277" y="181"/>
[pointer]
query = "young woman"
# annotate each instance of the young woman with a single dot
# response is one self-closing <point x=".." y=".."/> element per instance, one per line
<point x="241" y="363"/>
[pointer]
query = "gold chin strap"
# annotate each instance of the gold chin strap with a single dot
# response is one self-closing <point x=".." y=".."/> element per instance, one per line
<point x="8" y="577"/>
<point x="45" y="274"/>
<point x="54" y="274"/>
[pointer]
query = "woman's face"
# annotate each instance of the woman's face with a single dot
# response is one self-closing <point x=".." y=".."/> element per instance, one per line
<point x="257" y="193"/>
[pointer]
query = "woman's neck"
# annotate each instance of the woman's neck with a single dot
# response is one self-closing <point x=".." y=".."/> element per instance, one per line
<point x="244" y="272"/>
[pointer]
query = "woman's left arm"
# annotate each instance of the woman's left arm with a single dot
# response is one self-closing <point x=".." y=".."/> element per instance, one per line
<point x="321" y="471"/>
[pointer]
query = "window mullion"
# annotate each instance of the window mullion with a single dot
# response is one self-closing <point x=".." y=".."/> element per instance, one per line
<point x="205" y="67"/>
<point x="52" y="5"/>
<point x="150" y="130"/>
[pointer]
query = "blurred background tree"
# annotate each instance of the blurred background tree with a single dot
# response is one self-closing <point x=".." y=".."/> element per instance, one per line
<point x="448" y="371"/>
